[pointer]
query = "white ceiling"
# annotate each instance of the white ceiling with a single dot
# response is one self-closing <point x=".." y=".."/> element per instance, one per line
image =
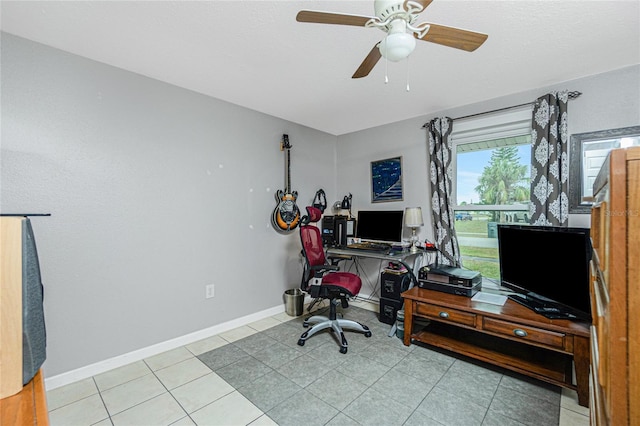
<point x="255" y="54"/>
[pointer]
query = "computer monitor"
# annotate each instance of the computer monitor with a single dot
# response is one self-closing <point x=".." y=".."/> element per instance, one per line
<point x="380" y="225"/>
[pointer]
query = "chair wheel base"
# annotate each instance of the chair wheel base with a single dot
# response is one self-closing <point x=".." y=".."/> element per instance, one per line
<point x="334" y="326"/>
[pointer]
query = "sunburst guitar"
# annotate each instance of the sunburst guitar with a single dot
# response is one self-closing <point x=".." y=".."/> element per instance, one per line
<point x="286" y="216"/>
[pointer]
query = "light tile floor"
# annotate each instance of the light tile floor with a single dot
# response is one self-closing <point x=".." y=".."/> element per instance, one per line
<point x="257" y="375"/>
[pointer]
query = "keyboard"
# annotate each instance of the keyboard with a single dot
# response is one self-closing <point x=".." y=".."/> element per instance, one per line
<point x="369" y="246"/>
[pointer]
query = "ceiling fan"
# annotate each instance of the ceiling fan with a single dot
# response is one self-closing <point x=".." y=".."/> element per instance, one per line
<point x="397" y="18"/>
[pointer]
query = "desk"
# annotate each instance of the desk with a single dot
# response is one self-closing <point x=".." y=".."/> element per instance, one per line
<point x="400" y="257"/>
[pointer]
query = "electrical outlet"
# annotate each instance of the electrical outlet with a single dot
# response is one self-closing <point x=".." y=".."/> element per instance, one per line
<point x="209" y="293"/>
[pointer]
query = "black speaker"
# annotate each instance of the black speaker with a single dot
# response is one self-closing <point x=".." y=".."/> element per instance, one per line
<point x="388" y="310"/>
<point x="340" y="226"/>
<point x="392" y="284"/>
<point x="34" y="336"/>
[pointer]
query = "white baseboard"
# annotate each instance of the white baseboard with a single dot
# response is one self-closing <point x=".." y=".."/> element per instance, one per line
<point x="140" y="354"/>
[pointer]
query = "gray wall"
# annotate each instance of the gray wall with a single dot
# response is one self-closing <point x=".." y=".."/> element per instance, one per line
<point x="154" y="192"/>
<point x="609" y="100"/>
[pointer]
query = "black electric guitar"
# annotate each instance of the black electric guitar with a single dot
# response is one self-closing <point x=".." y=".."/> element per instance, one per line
<point x="286" y="215"/>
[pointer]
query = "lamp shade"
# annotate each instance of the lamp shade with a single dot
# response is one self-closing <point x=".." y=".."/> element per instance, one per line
<point x="413" y="217"/>
<point x="397" y="46"/>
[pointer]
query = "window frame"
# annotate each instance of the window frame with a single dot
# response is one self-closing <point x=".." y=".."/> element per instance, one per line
<point x="506" y="124"/>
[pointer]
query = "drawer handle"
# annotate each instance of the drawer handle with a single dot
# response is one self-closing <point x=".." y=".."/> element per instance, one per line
<point x="519" y="332"/>
<point x="443" y="315"/>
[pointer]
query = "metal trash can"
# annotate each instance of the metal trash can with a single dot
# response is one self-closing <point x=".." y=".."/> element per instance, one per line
<point x="294" y="302"/>
<point x="400" y="324"/>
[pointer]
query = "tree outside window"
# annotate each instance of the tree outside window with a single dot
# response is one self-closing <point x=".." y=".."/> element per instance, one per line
<point x="492" y="181"/>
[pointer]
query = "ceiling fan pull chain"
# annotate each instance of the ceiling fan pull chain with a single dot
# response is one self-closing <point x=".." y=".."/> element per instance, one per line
<point x="386" y="67"/>
<point x="407" y="74"/>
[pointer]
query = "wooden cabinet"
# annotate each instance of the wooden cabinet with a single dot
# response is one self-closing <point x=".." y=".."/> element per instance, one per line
<point x="510" y="336"/>
<point x="19" y="405"/>
<point x="615" y="291"/>
<point x="27" y="407"/>
<point x="10" y="306"/>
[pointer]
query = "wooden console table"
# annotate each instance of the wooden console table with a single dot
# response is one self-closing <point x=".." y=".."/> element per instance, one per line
<point x="510" y="336"/>
<point x="27" y="407"/>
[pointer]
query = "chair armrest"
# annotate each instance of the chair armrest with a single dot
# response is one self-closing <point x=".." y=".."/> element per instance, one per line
<point x="322" y="269"/>
<point x="317" y="272"/>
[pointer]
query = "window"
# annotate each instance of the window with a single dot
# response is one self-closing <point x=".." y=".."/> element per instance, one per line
<point x="492" y="175"/>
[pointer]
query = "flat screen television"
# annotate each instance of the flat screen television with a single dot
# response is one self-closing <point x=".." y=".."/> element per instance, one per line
<point x="547" y="268"/>
<point x="380" y="225"/>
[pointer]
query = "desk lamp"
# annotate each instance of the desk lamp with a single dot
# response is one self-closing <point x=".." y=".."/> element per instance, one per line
<point x="413" y="220"/>
<point x="345" y="204"/>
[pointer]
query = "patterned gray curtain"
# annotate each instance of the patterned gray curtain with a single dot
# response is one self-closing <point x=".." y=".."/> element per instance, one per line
<point x="549" y="160"/>
<point x="441" y="171"/>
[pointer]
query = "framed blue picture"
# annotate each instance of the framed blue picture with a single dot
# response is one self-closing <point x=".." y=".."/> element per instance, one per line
<point x="386" y="180"/>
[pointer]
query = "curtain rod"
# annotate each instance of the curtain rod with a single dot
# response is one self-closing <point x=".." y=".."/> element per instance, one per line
<point x="572" y="95"/>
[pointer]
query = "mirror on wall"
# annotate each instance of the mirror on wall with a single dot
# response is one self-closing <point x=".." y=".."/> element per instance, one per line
<point x="587" y="152"/>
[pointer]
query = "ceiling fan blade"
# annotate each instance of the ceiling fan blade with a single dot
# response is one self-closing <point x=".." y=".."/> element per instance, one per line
<point x="369" y="62"/>
<point x="423" y="3"/>
<point x="454" y="37"/>
<point x="331" y="18"/>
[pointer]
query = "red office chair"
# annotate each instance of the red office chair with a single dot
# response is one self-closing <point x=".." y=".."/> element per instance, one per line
<point x="322" y="280"/>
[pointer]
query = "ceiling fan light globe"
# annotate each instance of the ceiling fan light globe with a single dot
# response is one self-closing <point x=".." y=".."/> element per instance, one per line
<point x="397" y="46"/>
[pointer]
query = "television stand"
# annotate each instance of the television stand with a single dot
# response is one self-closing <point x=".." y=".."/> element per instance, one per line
<point x="509" y="336"/>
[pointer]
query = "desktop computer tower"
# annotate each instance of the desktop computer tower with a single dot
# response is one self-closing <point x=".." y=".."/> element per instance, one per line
<point x="21" y="299"/>
<point x="392" y="284"/>
<point x="328" y="231"/>
<point x="336" y="229"/>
